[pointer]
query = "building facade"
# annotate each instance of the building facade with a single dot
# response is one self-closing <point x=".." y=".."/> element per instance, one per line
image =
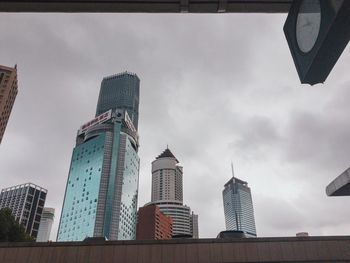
<point x="194" y="225"/>
<point x="102" y="186"/>
<point x="120" y="91"/>
<point x="27" y="203"/>
<point x="8" y="93"/>
<point x="153" y="224"/>
<point x="46" y="222"/>
<point x="238" y="207"/>
<point x="167" y="193"/>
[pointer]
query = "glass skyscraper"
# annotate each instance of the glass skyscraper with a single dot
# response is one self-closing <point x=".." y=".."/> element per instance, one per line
<point x="120" y="91"/>
<point x="238" y="207"/>
<point x="102" y="187"/>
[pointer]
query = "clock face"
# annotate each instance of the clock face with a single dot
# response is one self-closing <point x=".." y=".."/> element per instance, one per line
<point x="308" y="24"/>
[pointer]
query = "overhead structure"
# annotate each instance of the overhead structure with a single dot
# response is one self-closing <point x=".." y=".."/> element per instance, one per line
<point x="147" y="6"/>
<point x="340" y="186"/>
<point x="317" y="32"/>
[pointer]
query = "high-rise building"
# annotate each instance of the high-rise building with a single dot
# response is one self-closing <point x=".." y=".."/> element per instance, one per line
<point x="8" y="93"/>
<point x="238" y="207"/>
<point x="194" y="225"/>
<point x="45" y="224"/>
<point x="120" y="91"/>
<point x="27" y="203"/>
<point x="102" y="186"/>
<point x="167" y="193"/>
<point x="153" y="224"/>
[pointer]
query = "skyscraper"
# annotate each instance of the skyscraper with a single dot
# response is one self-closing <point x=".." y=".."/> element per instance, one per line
<point x="45" y="224"/>
<point x="102" y="186"/>
<point x="26" y="202"/>
<point x="238" y="207"/>
<point x="167" y="193"/>
<point x="8" y="93"/>
<point x="120" y="91"/>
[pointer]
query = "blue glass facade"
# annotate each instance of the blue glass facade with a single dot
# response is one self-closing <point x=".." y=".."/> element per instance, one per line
<point x="79" y="208"/>
<point x="102" y="188"/>
<point x="128" y="212"/>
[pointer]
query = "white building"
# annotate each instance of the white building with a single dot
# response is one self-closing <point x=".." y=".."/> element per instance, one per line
<point x="45" y="224"/>
<point x="167" y="194"/>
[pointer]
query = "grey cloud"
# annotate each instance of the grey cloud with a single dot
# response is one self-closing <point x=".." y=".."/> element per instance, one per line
<point x="257" y="135"/>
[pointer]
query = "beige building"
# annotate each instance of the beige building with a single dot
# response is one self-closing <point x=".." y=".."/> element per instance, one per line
<point x="167" y="194"/>
<point x="8" y="92"/>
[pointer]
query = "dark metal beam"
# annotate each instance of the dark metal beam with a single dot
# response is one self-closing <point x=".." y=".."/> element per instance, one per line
<point x="146" y="6"/>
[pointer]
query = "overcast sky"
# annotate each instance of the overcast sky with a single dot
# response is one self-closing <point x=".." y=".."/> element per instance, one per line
<point x="215" y="88"/>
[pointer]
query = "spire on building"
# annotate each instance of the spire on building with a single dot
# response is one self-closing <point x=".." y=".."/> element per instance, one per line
<point x="167" y="154"/>
<point x="233" y="173"/>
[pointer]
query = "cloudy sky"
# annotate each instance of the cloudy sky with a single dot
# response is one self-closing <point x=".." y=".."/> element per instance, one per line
<point x="215" y="88"/>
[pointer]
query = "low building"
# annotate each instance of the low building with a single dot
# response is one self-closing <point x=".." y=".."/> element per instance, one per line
<point x="153" y="224"/>
<point x="27" y="203"/>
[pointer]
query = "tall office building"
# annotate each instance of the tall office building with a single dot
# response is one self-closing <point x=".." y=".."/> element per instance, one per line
<point x="238" y="207"/>
<point x="167" y="193"/>
<point x="153" y="224"/>
<point x="194" y="225"/>
<point x="45" y="224"/>
<point x="8" y="93"/>
<point x="27" y="203"/>
<point x="102" y="186"/>
<point x="121" y="91"/>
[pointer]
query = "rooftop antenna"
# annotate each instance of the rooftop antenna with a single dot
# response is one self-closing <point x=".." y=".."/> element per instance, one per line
<point x="233" y="173"/>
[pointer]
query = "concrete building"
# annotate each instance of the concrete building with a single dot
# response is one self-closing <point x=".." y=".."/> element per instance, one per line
<point x="194" y="225"/>
<point x="8" y="93"/>
<point x="167" y="193"/>
<point x="153" y="224"/>
<point x="102" y="186"/>
<point x="27" y="203"/>
<point x="45" y="224"/>
<point x="238" y="207"/>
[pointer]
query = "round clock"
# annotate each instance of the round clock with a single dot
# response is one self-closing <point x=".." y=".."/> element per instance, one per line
<point x="308" y="24"/>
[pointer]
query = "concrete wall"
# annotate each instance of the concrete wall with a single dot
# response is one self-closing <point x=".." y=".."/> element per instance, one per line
<point x="306" y="249"/>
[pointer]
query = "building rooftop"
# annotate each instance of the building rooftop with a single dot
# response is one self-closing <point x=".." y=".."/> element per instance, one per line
<point x="236" y="180"/>
<point x="167" y="154"/>
<point x="121" y="74"/>
<point x="24" y="185"/>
